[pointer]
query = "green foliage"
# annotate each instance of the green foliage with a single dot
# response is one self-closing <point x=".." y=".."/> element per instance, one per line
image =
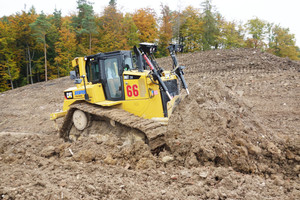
<point x="130" y="31"/>
<point x="191" y="30"/>
<point x="231" y="35"/>
<point x="283" y="43"/>
<point x="40" y="28"/>
<point x="113" y="3"/>
<point x="84" y="24"/>
<point x="257" y="29"/>
<point x="210" y="26"/>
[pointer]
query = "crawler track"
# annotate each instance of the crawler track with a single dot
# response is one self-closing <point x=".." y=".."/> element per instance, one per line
<point x="153" y="131"/>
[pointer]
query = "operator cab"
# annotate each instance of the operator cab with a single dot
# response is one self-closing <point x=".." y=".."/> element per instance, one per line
<point x="107" y="69"/>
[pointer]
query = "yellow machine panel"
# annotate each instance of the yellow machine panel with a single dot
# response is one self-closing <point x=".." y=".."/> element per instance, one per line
<point x="112" y="86"/>
<point x="110" y="79"/>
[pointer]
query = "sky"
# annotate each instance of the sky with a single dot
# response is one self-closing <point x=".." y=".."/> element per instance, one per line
<point x="285" y="13"/>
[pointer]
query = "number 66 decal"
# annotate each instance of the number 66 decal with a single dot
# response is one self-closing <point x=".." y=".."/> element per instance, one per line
<point x="132" y="90"/>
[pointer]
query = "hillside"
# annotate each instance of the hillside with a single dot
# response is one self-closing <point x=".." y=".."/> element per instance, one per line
<point x="236" y="136"/>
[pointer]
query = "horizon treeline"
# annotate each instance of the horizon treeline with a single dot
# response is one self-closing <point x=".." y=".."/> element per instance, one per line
<point x="37" y="47"/>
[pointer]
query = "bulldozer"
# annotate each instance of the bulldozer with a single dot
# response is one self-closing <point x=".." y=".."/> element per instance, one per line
<point x="118" y="89"/>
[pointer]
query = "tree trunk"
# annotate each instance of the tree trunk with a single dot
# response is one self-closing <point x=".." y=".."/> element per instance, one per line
<point x="68" y="64"/>
<point x="29" y="62"/>
<point x="45" y="53"/>
<point x="11" y="81"/>
<point x="27" y="72"/>
<point x="57" y="69"/>
<point x="27" y="66"/>
<point x="90" y="43"/>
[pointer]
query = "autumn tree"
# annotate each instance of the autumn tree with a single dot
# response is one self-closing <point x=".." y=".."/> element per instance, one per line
<point x="165" y="30"/>
<point x="8" y="65"/>
<point x="27" y="44"/>
<point x="65" y="48"/>
<point x="3" y="79"/>
<point x="40" y="47"/>
<point x="24" y="45"/>
<point x="145" y="21"/>
<point x="231" y="35"/>
<point x="283" y="43"/>
<point x="111" y="28"/>
<point x="257" y="29"/>
<point x="41" y="27"/>
<point x="191" y="30"/>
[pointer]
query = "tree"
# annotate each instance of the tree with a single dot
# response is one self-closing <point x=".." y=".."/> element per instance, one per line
<point x="41" y="27"/>
<point x="231" y="35"/>
<point x="191" y="30"/>
<point x="27" y="45"/>
<point x="130" y="31"/>
<point x="113" y="3"/>
<point x="54" y="36"/>
<point x="165" y="30"/>
<point x="65" y="48"/>
<point x="3" y="79"/>
<point x="283" y="43"/>
<point x="84" y="22"/>
<point x="257" y="29"/>
<point x="210" y="26"/>
<point x="145" y="21"/>
<point x="113" y="31"/>
<point x="8" y="65"/>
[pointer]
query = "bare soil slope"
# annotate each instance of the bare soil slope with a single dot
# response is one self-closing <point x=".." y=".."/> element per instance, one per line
<point x="235" y="137"/>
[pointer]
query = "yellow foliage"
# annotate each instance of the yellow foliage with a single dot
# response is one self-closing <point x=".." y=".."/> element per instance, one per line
<point x="145" y="21"/>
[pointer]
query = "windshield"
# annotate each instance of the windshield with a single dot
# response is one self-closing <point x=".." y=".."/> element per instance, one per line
<point x="113" y="78"/>
<point x="93" y="71"/>
<point x="128" y="63"/>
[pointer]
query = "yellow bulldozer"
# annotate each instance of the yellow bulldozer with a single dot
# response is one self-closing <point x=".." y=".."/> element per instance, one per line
<point x="118" y="89"/>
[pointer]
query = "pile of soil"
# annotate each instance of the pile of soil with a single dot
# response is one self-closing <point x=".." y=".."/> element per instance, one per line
<point x="236" y="136"/>
<point x="215" y="127"/>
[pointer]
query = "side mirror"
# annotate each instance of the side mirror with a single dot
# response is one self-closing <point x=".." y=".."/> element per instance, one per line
<point x="72" y="75"/>
<point x="78" y="81"/>
<point x="175" y="47"/>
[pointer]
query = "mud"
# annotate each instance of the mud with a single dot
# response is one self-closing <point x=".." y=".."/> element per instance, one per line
<point x="235" y="137"/>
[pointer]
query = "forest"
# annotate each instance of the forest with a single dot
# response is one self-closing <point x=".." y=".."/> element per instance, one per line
<point x="36" y="47"/>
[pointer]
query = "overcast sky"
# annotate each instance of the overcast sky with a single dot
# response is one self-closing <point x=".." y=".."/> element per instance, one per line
<point x="286" y="13"/>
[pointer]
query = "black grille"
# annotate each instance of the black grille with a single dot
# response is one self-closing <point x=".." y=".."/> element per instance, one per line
<point x="173" y="90"/>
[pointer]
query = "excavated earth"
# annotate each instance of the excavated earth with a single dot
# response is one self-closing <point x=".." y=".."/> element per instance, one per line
<point x="236" y="136"/>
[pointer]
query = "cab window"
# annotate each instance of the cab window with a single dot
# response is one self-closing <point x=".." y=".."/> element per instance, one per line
<point x="128" y="63"/>
<point x="93" y="71"/>
<point x="113" y="78"/>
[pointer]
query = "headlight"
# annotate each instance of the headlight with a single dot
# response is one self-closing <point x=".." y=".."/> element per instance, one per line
<point x="68" y="95"/>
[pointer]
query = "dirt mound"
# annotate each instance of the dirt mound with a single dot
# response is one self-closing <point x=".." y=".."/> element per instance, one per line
<point x="27" y="109"/>
<point x="44" y="167"/>
<point x="235" y="137"/>
<point x="235" y="61"/>
<point x="215" y="127"/>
